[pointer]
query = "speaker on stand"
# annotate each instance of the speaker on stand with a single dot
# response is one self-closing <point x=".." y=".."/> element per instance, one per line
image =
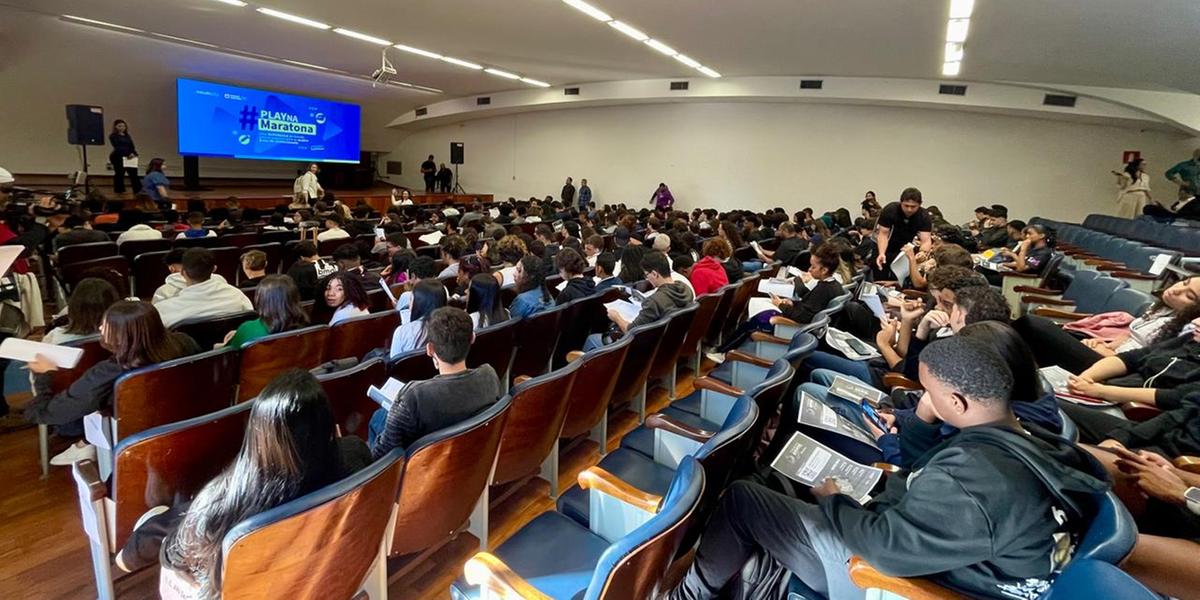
<point x="456" y="158"/>
<point x="85" y="127"/>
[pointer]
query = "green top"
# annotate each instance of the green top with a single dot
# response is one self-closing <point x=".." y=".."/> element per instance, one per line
<point x="248" y="332"/>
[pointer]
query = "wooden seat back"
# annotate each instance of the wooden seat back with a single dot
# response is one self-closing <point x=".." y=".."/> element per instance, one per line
<point x="493" y="346"/>
<point x="266" y="357"/>
<point x="636" y="367"/>
<point x="83" y="252"/>
<point x="721" y="313"/>
<point x="113" y="269"/>
<point x="149" y="272"/>
<point x="672" y="342"/>
<point x="593" y="389"/>
<point x="209" y="332"/>
<point x="737" y="308"/>
<point x="274" y="252"/>
<point x="411" y="366"/>
<point x="327" y="247"/>
<point x="156" y="466"/>
<point x="197" y="242"/>
<point x="447" y="472"/>
<point x="131" y="249"/>
<point x="277" y="237"/>
<point x="534" y="422"/>
<point x="347" y="392"/>
<point x="706" y="310"/>
<point x="537" y="337"/>
<point x="355" y="337"/>
<point x="318" y="546"/>
<point x="239" y="240"/>
<point x="175" y="390"/>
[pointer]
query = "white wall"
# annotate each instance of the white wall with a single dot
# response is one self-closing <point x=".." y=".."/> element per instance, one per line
<point x="761" y="155"/>
<point x="46" y="64"/>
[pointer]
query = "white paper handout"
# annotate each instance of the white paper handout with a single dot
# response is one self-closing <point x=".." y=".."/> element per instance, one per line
<point x="387" y="395"/>
<point x="129" y="162"/>
<point x="900" y="268"/>
<point x="810" y="462"/>
<point x="875" y="304"/>
<point x="795" y="272"/>
<point x="1057" y="379"/>
<point x="8" y="256"/>
<point x="1160" y="263"/>
<point x="387" y="290"/>
<point x="432" y="237"/>
<point x="852" y="347"/>
<point x="780" y="287"/>
<point x="757" y="305"/>
<point x="628" y="310"/>
<point x="815" y="413"/>
<point x="855" y="391"/>
<point x="63" y="357"/>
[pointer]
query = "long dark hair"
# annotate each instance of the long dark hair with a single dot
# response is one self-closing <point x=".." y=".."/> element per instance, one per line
<point x="534" y="270"/>
<point x="1177" y="323"/>
<point x="631" y="264"/>
<point x="1027" y="385"/>
<point x="289" y="450"/>
<point x="356" y="294"/>
<point x="85" y="310"/>
<point x="428" y="296"/>
<point x="155" y="165"/>
<point x="731" y="234"/>
<point x="120" y="122"/>
<point x="1132" y="168"/>
<point x="133" y="331"/>
<point x="483" y="297"/>
<point x="277" y="302"/>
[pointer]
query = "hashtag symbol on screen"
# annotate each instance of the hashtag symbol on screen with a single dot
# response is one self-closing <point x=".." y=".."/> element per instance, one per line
<point x="247" y="119"/>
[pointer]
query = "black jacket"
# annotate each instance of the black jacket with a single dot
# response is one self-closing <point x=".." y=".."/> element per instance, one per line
<point x="811" y="302"/>
<point x="1175" y="432"/>
<point x="980" y="513"/>
<point x="579" y="287"/>
<point x="733" y="270"/>
<point x="1172" y="367"/>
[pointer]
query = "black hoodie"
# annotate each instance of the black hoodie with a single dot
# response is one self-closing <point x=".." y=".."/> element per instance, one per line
<point x="1172" y="367"/>
<point x="990" y="512"/>
<point x="576" y="288"/>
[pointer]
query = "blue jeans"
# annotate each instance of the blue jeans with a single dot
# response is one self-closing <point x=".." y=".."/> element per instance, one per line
<point x="751" y="266"/>
<point x="818" y="387"/>
<point x="857" y="369"/>
<point x="376" y="426"/>
<point x="593" y="341"/>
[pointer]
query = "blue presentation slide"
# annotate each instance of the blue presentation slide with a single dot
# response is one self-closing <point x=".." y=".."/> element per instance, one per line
<point x="238" y="122"/>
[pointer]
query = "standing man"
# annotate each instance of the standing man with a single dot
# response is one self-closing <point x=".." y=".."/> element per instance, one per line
<point x="585" y="196"/>
<point x="662" y="198"/>
<point x="899" y="223"/>
<point x="568" y="193"/>
<point x="308" y="186"/>
<point x="445" y="179"/>
<point x="429" y="172"/>
<point x="1187" y="174"/>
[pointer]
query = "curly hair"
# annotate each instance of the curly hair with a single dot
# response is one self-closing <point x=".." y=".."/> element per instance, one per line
<point x="511" y="248"/>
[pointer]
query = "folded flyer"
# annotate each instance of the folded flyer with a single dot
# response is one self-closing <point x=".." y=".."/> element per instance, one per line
<point x="855" y="391"/>
<point x="815" y="413"/>
<point x="808" y="461"/>
<point x="388" y="394"/>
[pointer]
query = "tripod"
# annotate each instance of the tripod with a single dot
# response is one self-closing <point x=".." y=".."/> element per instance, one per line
<point x="458" y="188"/>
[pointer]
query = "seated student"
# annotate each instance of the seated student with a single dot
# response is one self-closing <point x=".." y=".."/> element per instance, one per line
<point x="510" y="250"/>
<point x="483" y="301"/>
<point x="571" y="266"/>
<point x="1031" y="256"/>
<point x="1053" y="345"/>
<point x="426" y="296"/>
<point x="333" y="228"/>
<point x="85" y="311"/>
<point x="134" y="333"/>
<point x="344" y="293"/>
<point x="277" y="302"/>
<point x="455" y="394"/>
<point x="669" y="296"/>
<point x="77" y="230"/>
<point x="291" y="448"/>
<point x="606" y="275"/>
<point x="544" y="233"/>
<point x="348" y="259"/>
<point x="206" y="295"/>
<point x="592" y="247"/>
<point x="791" y="246"/>
<point x="254" y="267"/>
<point x="309" y="270"/>
<point x="174" y="283"/>
<point x="276" y="222"/>
<point x="943" y="254"/>
<point x="453" y="248"/>
<point x="708" y="275"/>
<point x="141" y="231"/>
<point x="195" y="227"/>
<point x="1012" y="489"/>
<point x="532" y="296"/>
<point x="1160" y="374"/>
<point x="396" y="272"/>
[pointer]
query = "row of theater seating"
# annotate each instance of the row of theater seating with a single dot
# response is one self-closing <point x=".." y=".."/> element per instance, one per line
<point x="1185" y="239"/>
<point x="1089" y="292"/>
<point x="1087" y="249"/>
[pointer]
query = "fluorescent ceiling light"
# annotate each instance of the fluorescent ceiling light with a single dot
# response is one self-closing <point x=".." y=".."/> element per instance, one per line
<point x="185" y="40"/>
<point x="237" y="3"/>
<point x="418" y="51"/>
<point x="304" y="64"/>
<point x="102" y="23"/>
<point x="504" y="74"/>
<point x="689" y="61"/>
<point x="589" y="10"/>
<point x="462" y="63"/>
<point x="362" y="36"/>
<point x="961" y="9"/>
<point x="951" y="69"/>
<point x="290" y="17"/>
<point x="661" y="47"/>
<point x="629" y="31"/>
<point x="957" y="29"/>
<point x="427" y="89"/>
<point x="709" y="72"/>
<point x="534" y="82"/>
<point x="954" y="52"/>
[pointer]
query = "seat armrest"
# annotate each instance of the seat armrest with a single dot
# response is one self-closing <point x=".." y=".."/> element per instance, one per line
<point x="1136" y="411"/>
<point x="739" y="356"/>
<point x="867" y="577"/>
<point x="1054" y="313"/>
<point x="716" y="385"/>
<point x="782" y="320"/>
<point x="519" y="379"/>
<point x="574" y="355"/>
<point x="887" y="468"/>
<point x="1018" y="275"/>
<point x="488" y="571"/>
<point x="666" y="423"/>
<point x="1047" y="301"/>
<point x="1029" y="289"/>
<point x="896" y="380"/>
<point x="762" y="336"/>
<point x="595" y="478"/>
<point x="1121" y="274"/>
<point x="1106" y="264"/>
<point x="87" y="473"/>
<point x="1191" y="464"/>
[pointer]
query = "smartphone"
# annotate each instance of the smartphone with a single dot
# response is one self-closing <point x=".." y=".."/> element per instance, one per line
<point x="873" y="415"/>
<point x="859" y="347"/>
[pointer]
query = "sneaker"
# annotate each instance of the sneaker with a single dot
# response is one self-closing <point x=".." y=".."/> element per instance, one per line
<point x="717" y="357"/>
<point x="73" y="454"/>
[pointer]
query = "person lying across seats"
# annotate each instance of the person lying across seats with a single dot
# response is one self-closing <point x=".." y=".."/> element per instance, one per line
<point x="455" y="394"/>
<point x="1009" y="524"/>
<point x="1160" y="374"/>
<point x="1111" y="333"/>
<point x="669" y="296"/>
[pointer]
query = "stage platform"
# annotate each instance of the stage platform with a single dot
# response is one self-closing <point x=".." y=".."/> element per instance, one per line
<point x="261" y="194"/>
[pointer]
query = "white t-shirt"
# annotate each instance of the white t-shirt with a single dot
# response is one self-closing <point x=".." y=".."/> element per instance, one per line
<point x="347" y="311"/>
<point x="140" y="232"/>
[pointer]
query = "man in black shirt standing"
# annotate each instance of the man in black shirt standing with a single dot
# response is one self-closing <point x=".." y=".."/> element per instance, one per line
<point x="899" y="222"/>
<point x="568" y="193"/>
<point x="429" y="171"/>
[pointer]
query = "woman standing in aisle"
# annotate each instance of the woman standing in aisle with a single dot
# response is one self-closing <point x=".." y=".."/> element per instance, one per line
<point x="1134" y="186"/>
<point x="122" y="149"/>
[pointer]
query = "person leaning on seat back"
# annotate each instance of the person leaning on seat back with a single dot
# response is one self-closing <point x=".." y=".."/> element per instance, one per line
<point x="1013" y="525"/>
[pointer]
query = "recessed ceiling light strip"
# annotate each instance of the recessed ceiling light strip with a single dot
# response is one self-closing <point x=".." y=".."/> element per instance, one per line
<point x="958" y="26"/>
<point x="640" y="36"/>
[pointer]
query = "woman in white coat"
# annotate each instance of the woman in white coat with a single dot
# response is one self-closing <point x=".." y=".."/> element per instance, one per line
<point x="1134" y="186"/>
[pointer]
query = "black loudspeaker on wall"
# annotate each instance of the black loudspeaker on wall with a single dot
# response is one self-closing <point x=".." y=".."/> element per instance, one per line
<point x="456" y="153"/>
<point x="85" y="125"/>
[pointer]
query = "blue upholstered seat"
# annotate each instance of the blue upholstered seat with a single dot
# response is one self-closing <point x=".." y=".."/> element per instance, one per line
<point x="1091" y="579"/>
<point x="745" y="376"/>
<point x="632" y="467"/>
